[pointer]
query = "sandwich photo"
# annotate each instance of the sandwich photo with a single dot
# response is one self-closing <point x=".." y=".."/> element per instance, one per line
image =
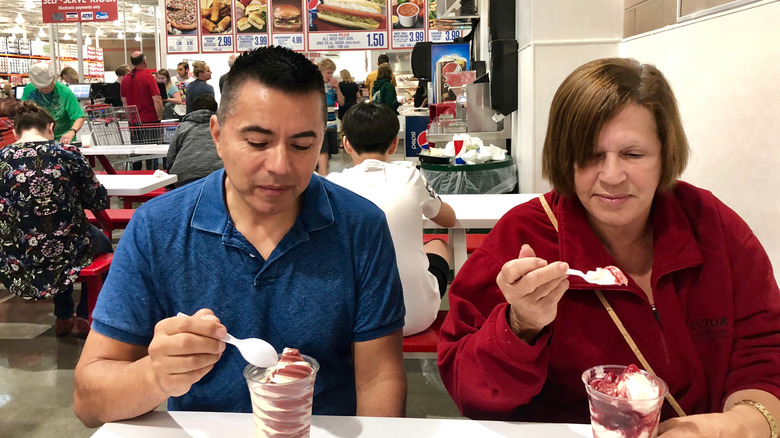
<point x="357" y="14"/>
<point x="286" y="18"/>
<point x="253" y="18"/>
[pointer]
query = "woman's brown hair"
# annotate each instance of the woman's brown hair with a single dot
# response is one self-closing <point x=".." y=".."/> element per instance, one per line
<point x="384" y="71"/>
<point x="167" y="74"/>
<point x="31" y="116"/>
<point x="591" y="96"/>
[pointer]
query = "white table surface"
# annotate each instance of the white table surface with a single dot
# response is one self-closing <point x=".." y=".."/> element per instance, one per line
<point x="134" y="185"/>
<point x="128" y="149"/>
<point x="160" y="424"/>
<point x="475" y="211"/>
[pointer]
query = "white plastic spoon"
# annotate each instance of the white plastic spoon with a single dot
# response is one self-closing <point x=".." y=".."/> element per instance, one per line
<point x="608" y="276"/>
<point x="255" y="350"/>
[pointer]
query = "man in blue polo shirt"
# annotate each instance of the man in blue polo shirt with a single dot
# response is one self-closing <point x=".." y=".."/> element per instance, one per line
<point x="262" y="249"/>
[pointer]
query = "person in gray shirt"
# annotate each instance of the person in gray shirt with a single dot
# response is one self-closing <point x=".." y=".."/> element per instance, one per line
<point x="192" y="154"/>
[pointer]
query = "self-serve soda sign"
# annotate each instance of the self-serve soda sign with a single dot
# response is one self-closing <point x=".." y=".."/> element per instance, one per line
<point x="64" y="11"/>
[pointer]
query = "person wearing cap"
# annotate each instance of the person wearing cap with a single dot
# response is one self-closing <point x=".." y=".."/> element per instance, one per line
<point x="57" y="99"/>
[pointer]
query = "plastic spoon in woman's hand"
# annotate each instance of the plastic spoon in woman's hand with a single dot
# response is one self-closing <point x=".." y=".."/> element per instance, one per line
<point x="256" y="351"/>
<point x="609" y="276"/>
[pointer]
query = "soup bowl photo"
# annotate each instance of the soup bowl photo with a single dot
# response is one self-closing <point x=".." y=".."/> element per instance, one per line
<point x="407" y="14"/>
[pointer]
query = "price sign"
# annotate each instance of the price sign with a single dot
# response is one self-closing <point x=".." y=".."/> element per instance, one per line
<point x="445" y="36"/>
<point x="407" y="38"/>
<point x="218" y="43"/>
<point x="249" y="42"/>
<point x="293" y="41"/>
<point x="347" y="40"/>
<point x="183" y="44"/>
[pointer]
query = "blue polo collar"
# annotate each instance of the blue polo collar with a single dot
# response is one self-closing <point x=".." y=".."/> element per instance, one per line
<point x="211" y="213"/>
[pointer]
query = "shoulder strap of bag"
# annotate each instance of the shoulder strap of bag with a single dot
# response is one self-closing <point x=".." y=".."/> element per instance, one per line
<point x="611" y="312"/>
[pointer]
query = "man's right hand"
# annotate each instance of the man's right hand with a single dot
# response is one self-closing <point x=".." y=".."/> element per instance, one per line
<point x="184" y="349"/>
<point x="532" y="288"/>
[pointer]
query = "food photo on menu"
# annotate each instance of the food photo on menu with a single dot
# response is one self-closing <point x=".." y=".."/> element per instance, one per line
<point x="408" y="14"/>
<point x="340" y="15"/>
<point x="251" y="16"/>
<point x="287" y="17"/>
<point x="216" y="16"/>
<point x="181" y="17"/>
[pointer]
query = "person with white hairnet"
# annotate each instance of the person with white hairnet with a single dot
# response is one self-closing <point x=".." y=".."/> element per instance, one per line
<point x="57" y="99"/>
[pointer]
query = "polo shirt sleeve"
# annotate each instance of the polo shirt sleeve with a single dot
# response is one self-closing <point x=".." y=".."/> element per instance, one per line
<point x="380" y="302"/>
<point x="429" y="200"/>
<point x="27" y="90"/>
<point x="151" y="85"/>
<point x="128" y="308"/>
<point x="72" y="106"/>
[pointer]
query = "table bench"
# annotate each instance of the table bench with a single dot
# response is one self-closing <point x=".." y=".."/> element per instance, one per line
<point x="423" y="344"/>
<point x="112" y="219"/>
<point x="92" y="275"/>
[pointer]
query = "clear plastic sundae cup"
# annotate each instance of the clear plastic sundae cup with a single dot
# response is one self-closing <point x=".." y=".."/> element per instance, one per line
<point x="281" y="409"/>
<point x="625" y="415"/>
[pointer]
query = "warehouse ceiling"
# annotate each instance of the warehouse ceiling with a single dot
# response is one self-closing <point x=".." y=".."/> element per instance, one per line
<point x="32" y="22"/>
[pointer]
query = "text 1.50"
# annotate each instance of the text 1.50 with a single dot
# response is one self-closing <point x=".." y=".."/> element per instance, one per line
<point x="376" y="39"/>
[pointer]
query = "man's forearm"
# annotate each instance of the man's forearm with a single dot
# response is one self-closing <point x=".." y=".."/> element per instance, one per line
<point x="384" y="396"/>
<point x="158" y="106"/>
<point x="108" y="390"/>
<point x="78" y="124"/>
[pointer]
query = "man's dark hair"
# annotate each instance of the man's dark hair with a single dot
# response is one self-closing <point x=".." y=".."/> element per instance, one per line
<point x="274" y="67"/>
<point x="382" y="59"/>
<point x="205" y="101"/>
<point x="184" y="64"/>
<point x="370" y="127"/>
<point x="137" y="59"/>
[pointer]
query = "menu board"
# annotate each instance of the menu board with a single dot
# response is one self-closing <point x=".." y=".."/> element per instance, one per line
<point x="216" y="25"/>
<point x="251" y="24"/>
<point x="347" y="25"/>
<point x="287" y="24"/>
<point x="440" y="33"/>
<point x="409" y="21"/>
<point x="181" y="24"/>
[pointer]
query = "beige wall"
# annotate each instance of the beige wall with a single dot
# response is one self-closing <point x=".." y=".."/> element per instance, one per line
<point x="114" y="53"/>
<point x="645" y="15"/>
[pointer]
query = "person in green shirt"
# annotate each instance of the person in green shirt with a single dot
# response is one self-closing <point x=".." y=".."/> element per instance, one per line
<point x="57" y="99"/>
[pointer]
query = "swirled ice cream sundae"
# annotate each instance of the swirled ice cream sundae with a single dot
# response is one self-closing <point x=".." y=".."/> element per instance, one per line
<point x="282" y="395"/>
<point x="625" y="402"/>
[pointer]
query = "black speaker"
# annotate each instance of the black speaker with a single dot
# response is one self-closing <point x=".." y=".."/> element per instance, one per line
<point x="501" y="19"/>
<point x="503" y="75"/>
<point x="421" y="61"/>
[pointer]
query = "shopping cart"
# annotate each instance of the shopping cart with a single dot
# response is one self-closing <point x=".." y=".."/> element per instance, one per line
<point x="121" y="126"/>
<point x="149" y="133"/>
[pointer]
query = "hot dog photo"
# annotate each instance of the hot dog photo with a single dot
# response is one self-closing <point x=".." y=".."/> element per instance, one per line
<point x="337" y="15"/>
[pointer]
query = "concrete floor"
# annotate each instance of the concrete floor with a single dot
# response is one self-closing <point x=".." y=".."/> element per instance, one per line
<point x="36" y="370"/>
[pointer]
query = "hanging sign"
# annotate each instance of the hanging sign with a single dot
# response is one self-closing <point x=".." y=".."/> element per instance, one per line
<point x="72" y="11"/>
<point x="216" y="25"/>
<point x="251" y="24"/>
<point x="347" y="25"/>
<point x="409" y="19"/>
<point x="287" y="24"/>
<point x="181" y="25"/>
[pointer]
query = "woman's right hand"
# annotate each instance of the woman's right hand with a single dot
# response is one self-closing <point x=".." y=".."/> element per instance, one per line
<point x="532" y="287"/>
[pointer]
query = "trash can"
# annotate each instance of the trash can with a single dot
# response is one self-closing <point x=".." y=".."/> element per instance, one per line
<point x="486" y="178"/>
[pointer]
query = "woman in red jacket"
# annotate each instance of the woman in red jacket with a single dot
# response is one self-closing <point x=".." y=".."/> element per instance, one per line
<point x="701" y="302"/>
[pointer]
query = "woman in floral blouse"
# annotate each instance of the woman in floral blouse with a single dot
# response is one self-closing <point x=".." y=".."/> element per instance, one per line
<point x="45" y="236"/>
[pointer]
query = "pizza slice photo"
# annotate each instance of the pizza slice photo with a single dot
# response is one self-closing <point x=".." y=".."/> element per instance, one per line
<point x="181" y="16"/>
